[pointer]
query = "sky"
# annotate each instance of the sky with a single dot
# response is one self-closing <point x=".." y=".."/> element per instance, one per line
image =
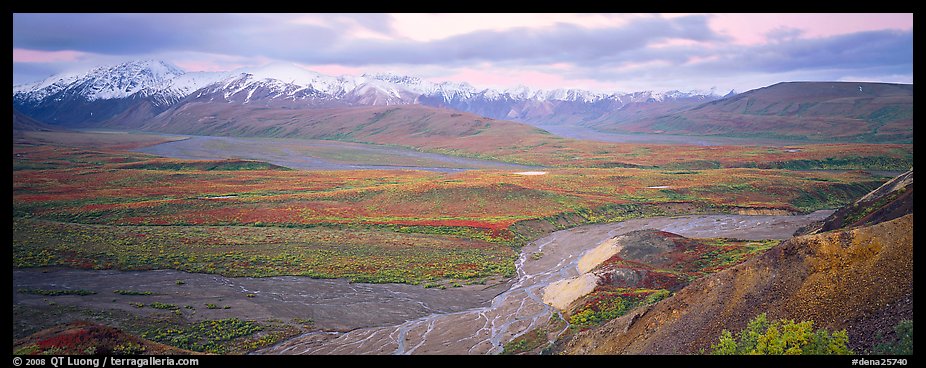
<point x="597" y="52"/>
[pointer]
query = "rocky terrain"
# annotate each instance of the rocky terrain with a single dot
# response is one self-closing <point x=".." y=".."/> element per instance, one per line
<point x="858" y="278"/>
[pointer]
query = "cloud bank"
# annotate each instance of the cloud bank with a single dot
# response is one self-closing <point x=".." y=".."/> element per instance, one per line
<point x="610" y="52"/>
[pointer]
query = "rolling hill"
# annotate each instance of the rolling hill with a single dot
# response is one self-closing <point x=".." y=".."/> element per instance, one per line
<point x="854" y="278"/>
<point x="826" y="111"/>
<point x="408" y="125"/>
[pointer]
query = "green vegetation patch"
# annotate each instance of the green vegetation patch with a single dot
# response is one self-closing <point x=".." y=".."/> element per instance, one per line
<point x="536" y="338"/>
<point x="727" y="253"/>
<point x="832" y="196"/>
<point x="235" y="251"/>
<point x="857" y="213"/>
<point x="609" y="305"/>
<point x="159" y="305"/>
<point x="781" y="337"/>
<point x="132" y="292"/>
<point x="902" y="343"/>
<point x="694" y="165"/>
<point x="844" y="163"/>
<point x="206" y="336"/>
<point x="727" y="188"/>
<point x="57" y="292"/>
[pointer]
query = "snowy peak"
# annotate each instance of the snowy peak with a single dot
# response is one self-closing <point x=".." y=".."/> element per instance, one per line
<point x="289" y="73"/>
<point x="51" y="85"/>
<point x="394" y="78"/>
<point x="674" y="95"/>
<point x="576" y="95"/>
<point x="124" y="80"/>
<point x="290" y="85"/>
<point x="416" y="85"/>
<point x="520" y="92"/>
<point x="107" y="82"/>
<point x="188" y="83"/>
<point x="287" y="81"/>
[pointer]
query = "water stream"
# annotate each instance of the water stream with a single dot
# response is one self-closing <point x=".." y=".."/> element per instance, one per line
<point x="484" y="330"/>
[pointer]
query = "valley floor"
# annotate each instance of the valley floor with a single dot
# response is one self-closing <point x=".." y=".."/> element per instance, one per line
<point x="306" y="154"/>
<point x="471" y="319"/>
<point x="460" y="255"/>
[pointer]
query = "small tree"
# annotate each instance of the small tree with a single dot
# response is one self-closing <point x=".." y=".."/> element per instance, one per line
<point x="781" y="337"/>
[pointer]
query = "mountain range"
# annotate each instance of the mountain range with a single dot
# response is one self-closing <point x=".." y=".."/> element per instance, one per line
<point x="131" y="94"/>
<point x="81" y="99"/>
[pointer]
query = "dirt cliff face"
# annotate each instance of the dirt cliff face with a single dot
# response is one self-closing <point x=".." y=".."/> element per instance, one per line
<point x="859" y="279"/>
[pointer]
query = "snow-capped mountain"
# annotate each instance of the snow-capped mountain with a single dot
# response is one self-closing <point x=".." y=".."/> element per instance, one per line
<point x="106" y="92"/>
<point x="146" y="77"/>
<point x="103" y="92"/>
<point x="187" y="83"/>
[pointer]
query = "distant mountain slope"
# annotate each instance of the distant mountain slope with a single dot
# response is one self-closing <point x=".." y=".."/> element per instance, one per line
<point x="641" y="109"/>
<point x="24" y="123"/>
<point x="859" y="279"/>
<point x="563" y="106"/>
<point x="408" y="125"/>
<point x="871" y="112"/>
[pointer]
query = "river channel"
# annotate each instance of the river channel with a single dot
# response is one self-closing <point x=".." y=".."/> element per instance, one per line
<point x="356" y="318"/>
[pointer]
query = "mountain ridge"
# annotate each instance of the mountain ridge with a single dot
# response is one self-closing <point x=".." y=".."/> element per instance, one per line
<point x="280" y="84"/>
<point x="850" y="111"/>
<point x="130" y="94"/>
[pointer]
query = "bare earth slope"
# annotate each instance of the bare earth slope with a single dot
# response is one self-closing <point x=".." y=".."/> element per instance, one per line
<point x="859" y="279"/>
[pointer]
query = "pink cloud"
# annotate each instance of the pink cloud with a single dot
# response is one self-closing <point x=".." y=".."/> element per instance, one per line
<point x="429" y="26"/>
<point x="37" y="56"/>
<point x="752" y="29"/>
